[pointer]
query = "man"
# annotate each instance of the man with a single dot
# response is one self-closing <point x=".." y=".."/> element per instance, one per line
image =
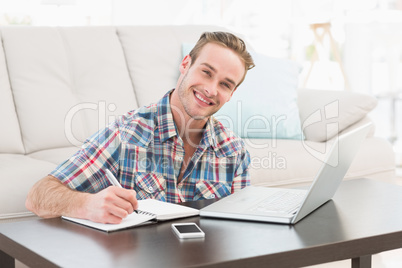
<point x="172" y="151"/>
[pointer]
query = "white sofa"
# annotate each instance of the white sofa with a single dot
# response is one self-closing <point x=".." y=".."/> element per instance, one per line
<point x="59" y="85"/>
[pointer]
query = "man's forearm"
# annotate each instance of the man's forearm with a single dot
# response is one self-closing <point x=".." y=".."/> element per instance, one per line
<point x="49" y="198"/>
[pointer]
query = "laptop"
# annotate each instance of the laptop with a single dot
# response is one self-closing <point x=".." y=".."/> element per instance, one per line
<point x="288" y="206"/>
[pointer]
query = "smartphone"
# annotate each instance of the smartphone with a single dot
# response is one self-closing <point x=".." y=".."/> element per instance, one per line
<point x="187" y="230"/>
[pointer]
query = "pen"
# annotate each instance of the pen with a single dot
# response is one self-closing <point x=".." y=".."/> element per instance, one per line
<point x="112" y="179"/>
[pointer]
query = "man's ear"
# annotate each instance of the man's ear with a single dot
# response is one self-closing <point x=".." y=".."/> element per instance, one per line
<point x="185" y="64"/>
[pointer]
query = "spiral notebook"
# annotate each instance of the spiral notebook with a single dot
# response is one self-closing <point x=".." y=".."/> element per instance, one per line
<point x="149" y="211"/>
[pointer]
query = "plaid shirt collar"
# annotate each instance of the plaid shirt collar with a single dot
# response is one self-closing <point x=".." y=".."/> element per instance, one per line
<point x="168" y="129"/>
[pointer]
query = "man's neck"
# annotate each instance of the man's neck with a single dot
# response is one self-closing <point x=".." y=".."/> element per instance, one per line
<point x="189" y="129"/>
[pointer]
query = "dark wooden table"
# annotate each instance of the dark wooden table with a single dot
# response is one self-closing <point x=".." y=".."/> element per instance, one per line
<point x="364" y="218"/>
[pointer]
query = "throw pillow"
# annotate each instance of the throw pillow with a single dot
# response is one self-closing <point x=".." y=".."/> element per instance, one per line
<point x="325" y="113"/>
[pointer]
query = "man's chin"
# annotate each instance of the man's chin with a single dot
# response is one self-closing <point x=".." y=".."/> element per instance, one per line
<point x="196" y="115"/>
<point x="200" y="117"/>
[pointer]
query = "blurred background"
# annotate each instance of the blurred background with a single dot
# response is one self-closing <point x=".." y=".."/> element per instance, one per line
<point x="351" y="45"/>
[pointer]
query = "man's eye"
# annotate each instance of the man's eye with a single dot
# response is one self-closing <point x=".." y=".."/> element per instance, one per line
<point x="226" y="85"/>
<point x="207" y="72"/>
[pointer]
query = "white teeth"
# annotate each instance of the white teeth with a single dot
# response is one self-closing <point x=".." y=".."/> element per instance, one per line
<point x="201" y="99"/>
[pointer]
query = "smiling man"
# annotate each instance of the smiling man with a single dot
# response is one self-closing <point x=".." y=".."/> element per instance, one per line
<point x="173" y="151"/>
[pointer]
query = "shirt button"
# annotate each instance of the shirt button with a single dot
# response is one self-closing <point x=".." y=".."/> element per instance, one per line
<point x="151" y="188"/>
<point x="212" y="196"/>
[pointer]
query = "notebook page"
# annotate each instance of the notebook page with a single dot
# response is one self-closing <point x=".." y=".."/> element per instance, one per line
<point x="166" y="211"/>
<point x="131" y="220"/>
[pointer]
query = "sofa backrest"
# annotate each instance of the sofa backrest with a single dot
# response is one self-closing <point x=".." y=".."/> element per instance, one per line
<point x="10" y="134"/>
<point x="66" y="82"/>
<point x="59" y="85"/>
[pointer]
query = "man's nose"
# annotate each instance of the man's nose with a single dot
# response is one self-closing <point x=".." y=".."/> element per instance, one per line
<point x="211" y="89"/>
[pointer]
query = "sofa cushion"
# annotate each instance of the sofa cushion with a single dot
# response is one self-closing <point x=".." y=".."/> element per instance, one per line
<point x="77" y="78"/>
<point x="324" y="113"/>
<point x="55" y="156"/>
<point x="10" y="140"/>
<point x="24" y="172"/>
<point x="265" y="105"/>
<point x="153" y="55"/>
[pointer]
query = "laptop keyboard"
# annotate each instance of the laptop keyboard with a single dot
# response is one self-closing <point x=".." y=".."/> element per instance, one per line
<point x="280" y="202"/>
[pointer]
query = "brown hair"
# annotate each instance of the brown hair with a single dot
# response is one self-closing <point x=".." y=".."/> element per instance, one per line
<point x="227" y="40"/>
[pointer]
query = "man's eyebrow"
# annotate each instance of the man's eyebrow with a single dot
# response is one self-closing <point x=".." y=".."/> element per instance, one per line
<point x="214" y="70"/>
<point x="231" y="81"/>
<point x="209" y="66"/>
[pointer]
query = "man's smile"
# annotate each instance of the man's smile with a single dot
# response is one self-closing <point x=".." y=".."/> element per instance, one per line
<point x="198" y="96"/>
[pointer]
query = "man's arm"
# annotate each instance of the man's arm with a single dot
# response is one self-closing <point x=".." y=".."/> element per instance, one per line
<point x="49" y="198"/>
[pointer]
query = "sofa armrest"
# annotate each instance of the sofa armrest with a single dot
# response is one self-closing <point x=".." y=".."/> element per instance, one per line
<point x="325" y="113"/>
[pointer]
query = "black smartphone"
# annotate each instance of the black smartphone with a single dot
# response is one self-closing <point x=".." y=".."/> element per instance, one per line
<point x="187" y="230"/>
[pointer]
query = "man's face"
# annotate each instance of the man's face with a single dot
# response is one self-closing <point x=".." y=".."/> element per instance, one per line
<point x="210" y="82"/>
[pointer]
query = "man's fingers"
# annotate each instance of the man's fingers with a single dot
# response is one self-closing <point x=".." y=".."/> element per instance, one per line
<point x="129" y="199"/>
<point x="118" y="212"/>
<point x="111" y="205"/>
<point x="108" y="217"/>
<point x="120" y="200"/>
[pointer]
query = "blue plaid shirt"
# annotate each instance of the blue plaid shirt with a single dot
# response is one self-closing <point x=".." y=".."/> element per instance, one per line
<point x="145" y="153"/>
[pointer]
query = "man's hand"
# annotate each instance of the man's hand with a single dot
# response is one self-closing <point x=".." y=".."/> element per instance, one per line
<point x="110" y="205"/>
<point x="49" y="198"/>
